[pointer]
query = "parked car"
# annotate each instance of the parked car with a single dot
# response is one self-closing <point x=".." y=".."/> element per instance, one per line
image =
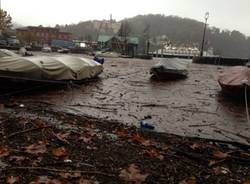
<point x="3" y="42"/>
<point x="13" y="42"/>
<point x="63" y="50"/>
<point x="46" y="49"/>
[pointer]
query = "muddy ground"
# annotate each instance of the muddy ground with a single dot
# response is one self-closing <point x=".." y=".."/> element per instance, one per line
<point x="41" y="146"/>
<point x="126" y="93"/>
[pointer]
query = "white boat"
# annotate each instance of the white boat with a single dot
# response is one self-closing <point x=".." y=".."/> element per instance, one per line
<point x="47" y="68"/>
<point x="169" y="69"/>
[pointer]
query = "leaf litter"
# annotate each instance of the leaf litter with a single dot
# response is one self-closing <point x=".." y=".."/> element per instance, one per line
<point x="109" y="152"/>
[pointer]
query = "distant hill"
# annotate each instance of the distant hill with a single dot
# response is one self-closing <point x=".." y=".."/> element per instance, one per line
<point x="179" y="31"/>
<point x="89" y="30"/>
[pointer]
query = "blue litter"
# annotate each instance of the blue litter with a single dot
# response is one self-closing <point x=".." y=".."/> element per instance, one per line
<point x="147" y="125"/>
<point x="99" y="60"/>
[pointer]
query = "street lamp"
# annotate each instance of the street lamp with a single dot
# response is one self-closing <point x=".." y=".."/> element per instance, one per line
<point x="204" y="33"/>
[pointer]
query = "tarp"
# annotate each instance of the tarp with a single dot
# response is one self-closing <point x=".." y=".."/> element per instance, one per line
<point x="235" y="76"/>
<point x="49" y="68"/>
<point x="173" y="66"/>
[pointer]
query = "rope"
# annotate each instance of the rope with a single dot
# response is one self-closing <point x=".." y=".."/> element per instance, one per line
<point x="247" y="112"/>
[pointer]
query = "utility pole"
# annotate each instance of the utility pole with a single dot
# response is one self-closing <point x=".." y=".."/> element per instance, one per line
<point x="204" y="34"/>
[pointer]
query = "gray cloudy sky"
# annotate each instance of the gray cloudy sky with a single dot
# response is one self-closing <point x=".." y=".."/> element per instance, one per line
<point x="226" y="14"/>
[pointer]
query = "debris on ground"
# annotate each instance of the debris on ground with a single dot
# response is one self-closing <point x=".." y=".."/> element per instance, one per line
<point x="41" y="145"/>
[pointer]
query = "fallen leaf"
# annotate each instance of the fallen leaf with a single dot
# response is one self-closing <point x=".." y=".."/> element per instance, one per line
<point x="17" y="158"/>
<point x="70" y="175"/>
<point x="154" y="154"/>
<point x="133" y="174"/>
<point x="147" y="143"/>
<point x="188" y="181"/>
<point x="195" y="146"/>
<point x="246" y="182"/>
<point x="245" y="154"/>
<point x="212" y="162"/>
<point x="220" y="155"/>
<point x="13" y="179"/>
<point x="62" y="137"/>
<point x="23" y="122"/>
<point x="165" y="147"/>
<point x="215" y="162"/>
<point x="36" y="148"/>
<point x="40" y="123"/>
<point x="221" y="170"/>
<point x="92" y="148"/>
<point x="85" y="181"/>
<point x="137" y="138"/>
<point x="91" y="132"/>
<point x="46" y="180"/>
<point x="37" y="161"/>
<point x="4" y="151"/>
<point x="60" y="152"/>
<point x="122" y="134"/>
<point x="85" y="139"/>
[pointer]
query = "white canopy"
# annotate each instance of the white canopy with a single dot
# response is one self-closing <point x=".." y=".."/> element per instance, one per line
<point x="49" y="68"/>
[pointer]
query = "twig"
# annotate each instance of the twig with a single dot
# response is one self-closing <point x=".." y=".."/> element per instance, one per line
<point x="28" y="130"/>
<point x="235" y="134"/>
<point x="211" y="124"/>
<point x="58" y="170"/>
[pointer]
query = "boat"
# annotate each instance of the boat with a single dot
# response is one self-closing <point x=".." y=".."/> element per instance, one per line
<point x="170" y="69"/>
<point x="234" y="80"/>
<point x="47" y="68"/>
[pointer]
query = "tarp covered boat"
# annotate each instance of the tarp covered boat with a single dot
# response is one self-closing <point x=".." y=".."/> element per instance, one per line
<point x="47" y="68"/>
<point x="173" y="68"/>
<point x="234" y="80"/>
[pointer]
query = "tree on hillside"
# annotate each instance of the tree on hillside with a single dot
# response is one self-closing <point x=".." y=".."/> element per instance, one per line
<point x="181" y="31"/>
<point x="5" y="20"/>
<point x="144" y="39"/>
<point x="124" y="30"/>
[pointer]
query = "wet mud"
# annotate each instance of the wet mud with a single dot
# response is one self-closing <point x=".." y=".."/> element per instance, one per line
<point x="125" y="92"/>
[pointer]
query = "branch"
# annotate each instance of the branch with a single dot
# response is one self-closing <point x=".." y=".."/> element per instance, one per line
<point x="29" y="130"/>
<point x="58" y="170"/>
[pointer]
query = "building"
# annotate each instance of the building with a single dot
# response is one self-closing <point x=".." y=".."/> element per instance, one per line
<point x="128" y="45"/>
<point x="41" y="35"/>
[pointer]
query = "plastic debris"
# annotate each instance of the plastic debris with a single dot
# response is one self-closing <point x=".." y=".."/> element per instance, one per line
<point x="113" y="137"/>
<point x="21" y="105"/>
<point x="67" y="161"/>
<point x="99" y="60"/>
<point x="147" y="125"/>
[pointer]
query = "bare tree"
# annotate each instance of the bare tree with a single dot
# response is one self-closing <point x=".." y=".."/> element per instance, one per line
<point x="5" y="20"/>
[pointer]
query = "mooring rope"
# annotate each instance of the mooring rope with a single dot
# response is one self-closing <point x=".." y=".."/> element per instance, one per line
<point x="247" y="112"/>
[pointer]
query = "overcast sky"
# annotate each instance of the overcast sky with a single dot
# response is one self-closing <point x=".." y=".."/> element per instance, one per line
<point x="226" y="14"/>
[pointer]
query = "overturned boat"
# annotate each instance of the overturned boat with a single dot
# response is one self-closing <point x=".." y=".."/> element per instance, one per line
<point x="235" y="80"/>
<point x="47" y="68"/>
<point x="170" y="69"/>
